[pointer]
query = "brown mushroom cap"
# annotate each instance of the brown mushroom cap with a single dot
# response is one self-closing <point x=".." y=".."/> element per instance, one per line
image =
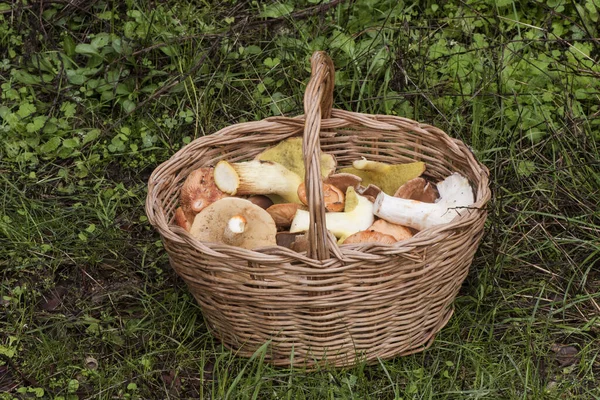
<point x="398" y="232"/>
<point x="369" y="192"/>
<point x="343" y="180"/>
<point x="198" y="192"/>
<point x="284" y="213"/>
<point x="262" y="201"/>
<point x="332" y="196"/>
<point x="294" y="241"/>
<point x="181" y="220"/>
<point x="369" y="236"/>
<point x="211" y="224"/>
<point x="418" y="189"/>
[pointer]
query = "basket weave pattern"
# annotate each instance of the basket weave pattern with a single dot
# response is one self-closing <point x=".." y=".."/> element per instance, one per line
<point x="333" y="304"/>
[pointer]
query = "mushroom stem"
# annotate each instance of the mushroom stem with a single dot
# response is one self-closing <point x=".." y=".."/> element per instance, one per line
<point x="455" y="192"/>
<point x="357" y="217"/>
<point x="257" y="177"/>
<point x="233" y="232"/>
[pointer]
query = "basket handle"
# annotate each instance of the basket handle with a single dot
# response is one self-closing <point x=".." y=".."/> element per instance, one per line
<point x="318" y="102"/>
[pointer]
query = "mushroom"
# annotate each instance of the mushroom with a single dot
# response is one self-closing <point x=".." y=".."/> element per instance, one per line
<point x="342" y="181"/>
<point x="262" y="201"/>
<point x="198" y="191"/>
<point x="257" y="177"/>
<point x="357" y="216"/>
<point x="455" y="192"/>
<point x="236" y="222"/>
<point x="332" y="196"/>
<point x="370" y="192"/>
<point x="294" y="241"/>
<point x="283" y="214"/>
<point x="181" y="220"/>
<point x="418" y="189"/>
<point x="289" y="154"/>
<point x="398" y="232"/>
<point x="369" y="236"/>
<point x="388" y="177"/>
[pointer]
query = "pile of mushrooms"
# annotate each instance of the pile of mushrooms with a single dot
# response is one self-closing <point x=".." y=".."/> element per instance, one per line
<point x="262" y="202"/>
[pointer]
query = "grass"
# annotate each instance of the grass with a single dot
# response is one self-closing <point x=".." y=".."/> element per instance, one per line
<point x="92" y="309"/>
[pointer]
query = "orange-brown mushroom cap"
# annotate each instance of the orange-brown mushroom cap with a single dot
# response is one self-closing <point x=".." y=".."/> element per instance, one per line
<point x="198" y="192"/>
<point x="181" y="220"/>
<point x="332" y="196"/>
<point x="418" y="189"/>
<point x="399" y="232"/>
<point x="369" y="236"/>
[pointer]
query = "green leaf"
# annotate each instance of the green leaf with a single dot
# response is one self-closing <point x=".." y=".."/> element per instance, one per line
<point x="91" y="136"/>
<point x="25" y="77"/>
<point x="4" y="111"/>
<point x="69" y="45"/>
<point x="343" y="42"/>
<point x="86" y="49"/>
<point x="76" y="77"/>
<point x="128" y="106"/>
<point x="276" y="10"/>
<point x="271" y="62"/>
<point x="71" y="143"/>
<point x="36" y="124"/>
<point x="26" y="109"/>
<point x="503" y="3"/>
<point x="101" y="40"/>
<point x="51" y="145"/>
<point x="68" y="109"/>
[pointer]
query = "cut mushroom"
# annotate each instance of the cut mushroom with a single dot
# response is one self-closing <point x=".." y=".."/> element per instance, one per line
<point x="388" y="177"/>
<point x="289" y="154"/>
<point x="198" y="192"/>
<point x="257" y="177"/>
<point x="332" y="196"/>
<point x="343" y="181"/>
<point x="357" y="216"/>
<point x="455" y="193"/>
<point x="283" y="214"/>
<point x="418" y="189"/>
<point x="235" y="222"/>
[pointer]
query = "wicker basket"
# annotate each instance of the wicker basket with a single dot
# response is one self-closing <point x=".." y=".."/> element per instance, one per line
<point x="332" y="304"/>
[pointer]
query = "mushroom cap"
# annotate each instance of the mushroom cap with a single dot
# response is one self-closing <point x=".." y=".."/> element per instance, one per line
<point x="289" y="154"/>
<point x="418" y="189"/>
<point x="181" y="220"/>
<point x="371" y="192"/>
<point x="388" y="177"/>
<point x="283" y="214"/>
<point x="332" y="196"/>
<point x="369" y="236"/>
<point x="210" y="224"/>
<point x="293" y="241"/>
<point x="399" y="232"/>
<point x="343" y="180"/>
<point x="198" y="191"/>
<point x="261" y="200"/>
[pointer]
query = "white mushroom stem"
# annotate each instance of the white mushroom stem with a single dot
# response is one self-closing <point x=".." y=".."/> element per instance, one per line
<point x="455" y="194"/>
<point x="257" y="177"/>
<point x="340" y="224"/>
<point x="233" y="232"/>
